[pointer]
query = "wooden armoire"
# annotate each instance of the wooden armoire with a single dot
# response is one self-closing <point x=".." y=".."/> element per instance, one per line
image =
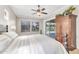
<point x="66" y="30"/>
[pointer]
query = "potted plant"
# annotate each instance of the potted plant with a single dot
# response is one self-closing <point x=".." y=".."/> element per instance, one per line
<point x="68" y="11"/>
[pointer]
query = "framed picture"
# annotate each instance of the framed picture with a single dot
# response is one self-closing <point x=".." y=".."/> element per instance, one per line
<point x="25" y="26"/>
<point x="35" y="26"/>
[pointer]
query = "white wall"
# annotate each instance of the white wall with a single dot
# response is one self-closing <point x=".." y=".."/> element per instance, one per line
<point x="2" y="20"/>
<point x="77" y="32"/>
<point x="11" y="21"/>
<point x="31" y="32"/>
<point x="77" y="26"/>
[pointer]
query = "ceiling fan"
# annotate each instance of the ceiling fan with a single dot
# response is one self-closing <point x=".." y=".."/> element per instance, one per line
<point x="39" y="11"/>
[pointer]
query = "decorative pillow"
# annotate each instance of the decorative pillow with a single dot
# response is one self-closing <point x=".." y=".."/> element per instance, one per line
<point x="11" y="34"/>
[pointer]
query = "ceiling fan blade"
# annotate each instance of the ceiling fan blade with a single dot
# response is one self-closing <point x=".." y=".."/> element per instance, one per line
<point x="38" y="6"/>
<point x="39" y="10"/>
<point x="34" y="10"/>
<point x="44" y="13"/>
<point x="43" y="9"/>
<point x="34" y="13"/>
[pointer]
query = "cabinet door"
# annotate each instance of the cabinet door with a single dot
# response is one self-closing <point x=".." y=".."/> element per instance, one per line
<point x="59" y="29"/>
<point x="66" y="25"/>
<point x="73" y="32"/>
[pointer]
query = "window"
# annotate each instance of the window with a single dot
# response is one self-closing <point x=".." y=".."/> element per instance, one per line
<point x="29" y="26"/>
<point x="25" y="26"/>
<point x="35" y="26"/>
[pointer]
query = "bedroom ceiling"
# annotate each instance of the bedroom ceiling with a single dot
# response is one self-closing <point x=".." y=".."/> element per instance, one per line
<point x="25" y="11"/>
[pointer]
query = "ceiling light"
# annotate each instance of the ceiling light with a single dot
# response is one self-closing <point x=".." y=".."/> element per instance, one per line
<point x="39" y="14"/>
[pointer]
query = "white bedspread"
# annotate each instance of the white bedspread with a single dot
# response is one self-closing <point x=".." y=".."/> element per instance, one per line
<point x="35" y="44"/>
<point x="4" y="42"/>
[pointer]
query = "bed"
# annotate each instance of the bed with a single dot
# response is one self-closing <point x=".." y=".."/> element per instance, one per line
<point x="6" y="38"/>
<point x="34" y="44"/>
<point x="4" y="41"/>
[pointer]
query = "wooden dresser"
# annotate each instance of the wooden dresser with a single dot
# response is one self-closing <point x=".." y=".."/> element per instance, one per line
<point x="66" y="30"/>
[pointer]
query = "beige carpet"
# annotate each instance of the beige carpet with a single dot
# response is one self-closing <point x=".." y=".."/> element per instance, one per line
<point x="76" y="51"/>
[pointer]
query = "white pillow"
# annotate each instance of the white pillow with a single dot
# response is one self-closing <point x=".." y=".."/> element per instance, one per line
<point x="4" y="42"/>
<point x="11" y="34"/>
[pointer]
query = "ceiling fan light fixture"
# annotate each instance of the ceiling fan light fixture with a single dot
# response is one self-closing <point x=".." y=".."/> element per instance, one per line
<point x="39" y="11"/>
<point x="39" y="14"/>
